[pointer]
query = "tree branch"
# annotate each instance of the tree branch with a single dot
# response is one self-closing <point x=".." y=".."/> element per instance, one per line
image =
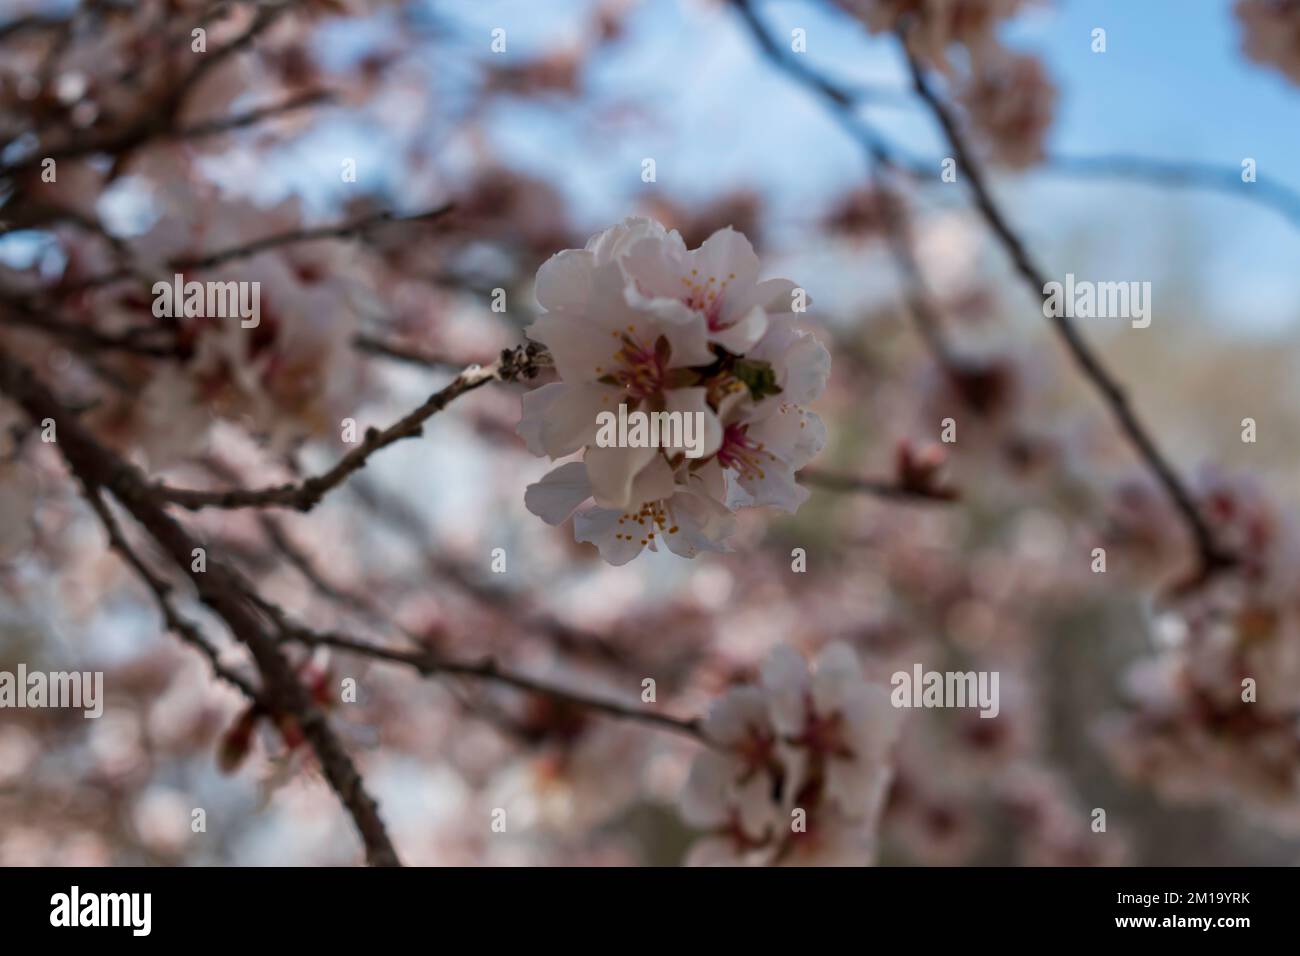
<point x="880" y="487"/>
<point x="520" y="362"/>
<point x="186" y="630"/>
<point x="209" y="260"/>
<point x="218" y="587"/>
<point x="1210" y="556"/>
<point x="429" y="664"/>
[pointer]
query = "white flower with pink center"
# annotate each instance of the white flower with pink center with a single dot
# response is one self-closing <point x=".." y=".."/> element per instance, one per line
<point x="797" y="767"/>
<point x="636" y="319"/>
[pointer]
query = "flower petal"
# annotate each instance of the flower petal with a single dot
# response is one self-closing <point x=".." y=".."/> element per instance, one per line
<point x="559" y="493"/>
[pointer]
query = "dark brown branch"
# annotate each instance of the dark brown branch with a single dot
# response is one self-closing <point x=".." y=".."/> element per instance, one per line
<point x="501" y="601"/>
<point x="520" y="362"/>
<point x="226" y="124"/>
<point x="429" y="664"/>
<point x="158" y="121"/>
<point x="86" y="338"/>
<point x="1209" y="553"/>
<point x="372" y="345"/>
<point x="186" y="630"/>
<point x="209" y="260"/>
<point x="218" y="587"/>
<point x="842" y="108"/>
<point x="879" y="487"/>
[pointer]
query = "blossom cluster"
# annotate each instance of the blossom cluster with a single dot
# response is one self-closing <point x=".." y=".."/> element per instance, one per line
<point x="637" y="319"/>
<point x="798" y="768"/>
<point x="1009" y="97"/>
<point x="1214" y="712"/>
<point x="1272" y="33"/>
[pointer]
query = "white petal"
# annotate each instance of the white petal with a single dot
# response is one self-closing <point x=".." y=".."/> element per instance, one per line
<point x="732" y="716"/>
<point x="807" y="369"/>
<point x="616" y="241"/>
<point x="741" y="336"/>
<point x="617" y="543"/>
<point x="706" y="795"/>
<point x="559" y="493"/>
<point x="702" y="525"/>
<point x="706" y="430"/>
<point x="559" y="418"/>
<point x="654" y="482"/>
<point x="612" y="472"/>
<point x="581" y="350"/>
<point x="655" y="269"/>
<point x="774" y="488"/>
<point x="785" y="675"/>
<point x="726" y="253"/>
<point x="791" y="434"/>
<point x="838" y="669"/>
<point x="564" y="281"/>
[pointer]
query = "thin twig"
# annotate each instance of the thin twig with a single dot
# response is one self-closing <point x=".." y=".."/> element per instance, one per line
<point x="1210" y="556"/>
<point x="520" y="362"/>
<point x="430" y="664"/>
<point x="879" y="487"/>
<point x="1180" y="174"/>
<point x="186" y="630"/>
<point x="208" y="260"/>
<point x="226" y="124"/>
<point x="372" y="345"/>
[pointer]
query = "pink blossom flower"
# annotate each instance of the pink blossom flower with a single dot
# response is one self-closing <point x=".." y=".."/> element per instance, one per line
<point x="798" y="765"/>
<point x="636" y="319"/>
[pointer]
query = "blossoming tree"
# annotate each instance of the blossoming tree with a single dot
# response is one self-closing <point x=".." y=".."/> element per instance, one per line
<point x="312" y="457"/>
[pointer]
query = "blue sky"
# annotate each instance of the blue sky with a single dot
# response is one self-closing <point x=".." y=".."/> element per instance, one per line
<point x="1173" y="84"/>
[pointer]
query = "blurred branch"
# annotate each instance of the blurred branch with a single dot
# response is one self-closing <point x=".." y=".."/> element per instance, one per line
<point x="186" y="630"/>
<point x="429" y="664"/>
<point x="240" y="120"/>
<point x="881" y="488"/>
<point x="843" y="100"/>
<point x="160" y="120"/>
<point x="514" y="364"/>
<point x="841" y="104"/>
<point x="344" y="230"/>
<point x="1180" y="174"/>
<point x="21" y="312"/>
<point x="95" y="466"/>
<point x="372" y="345"/>
<point x="1211" y="558"/>
<point x="402" y="518"/>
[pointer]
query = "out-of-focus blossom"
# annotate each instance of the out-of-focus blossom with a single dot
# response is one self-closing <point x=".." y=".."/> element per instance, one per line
<point x="1214" y="713"/>
<point x="1272" y="33"/>
<point x="1010" y="100"/>
<point x="933" y="26"/>
<point x="797" y="767"/>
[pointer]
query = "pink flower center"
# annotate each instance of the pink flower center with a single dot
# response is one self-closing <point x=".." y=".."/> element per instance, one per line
<point x="742" y="453"/>
<point x="638" y="369"/>
<point x="706" y="296"/>
<point x="824" y="734"/>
